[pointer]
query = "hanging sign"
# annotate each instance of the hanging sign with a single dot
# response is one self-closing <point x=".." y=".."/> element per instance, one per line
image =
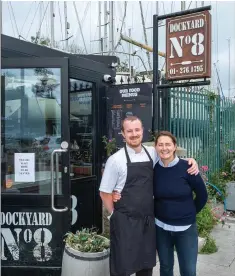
<point x="188" y="46"/>
<point x="24" y="167"/>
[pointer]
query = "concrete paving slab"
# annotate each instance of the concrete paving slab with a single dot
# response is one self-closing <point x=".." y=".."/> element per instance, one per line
<point x="221" y="263"/>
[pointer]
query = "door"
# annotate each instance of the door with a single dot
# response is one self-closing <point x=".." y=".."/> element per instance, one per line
<point x="83" y="153"/>
<point x="35" y="161"/>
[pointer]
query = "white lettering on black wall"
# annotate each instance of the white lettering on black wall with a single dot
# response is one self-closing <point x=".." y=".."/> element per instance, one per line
<point x="12" y="239"/>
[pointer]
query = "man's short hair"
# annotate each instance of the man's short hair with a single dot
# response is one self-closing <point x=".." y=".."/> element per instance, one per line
<point x="131" y="119"/>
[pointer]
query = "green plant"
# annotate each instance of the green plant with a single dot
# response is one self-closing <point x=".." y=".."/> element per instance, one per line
<point x="110" y="145"/>
<point x="220" y="180"/>
<point x="87" y="241"/>
<point x="210" y="246"/>
<point x="205" y="221"/>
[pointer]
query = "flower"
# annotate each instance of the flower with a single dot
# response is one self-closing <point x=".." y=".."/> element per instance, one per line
<point x="204" y="168"/>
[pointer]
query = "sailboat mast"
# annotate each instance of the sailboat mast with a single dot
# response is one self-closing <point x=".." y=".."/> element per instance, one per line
<point x="66" y="25"/>
<point x="105" y="39"/>
<point x="100" y="36"/>
<point x="111" y="27"/>
<point x="52" y="24"/>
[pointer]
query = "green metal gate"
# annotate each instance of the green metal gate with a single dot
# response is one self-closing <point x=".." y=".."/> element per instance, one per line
<point x="204" y="124"/>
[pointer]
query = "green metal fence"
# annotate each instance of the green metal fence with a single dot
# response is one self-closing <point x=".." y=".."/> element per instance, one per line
<point x="204" y="125"/>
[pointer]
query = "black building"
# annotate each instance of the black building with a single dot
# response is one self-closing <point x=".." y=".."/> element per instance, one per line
<point x="53" y="108"/>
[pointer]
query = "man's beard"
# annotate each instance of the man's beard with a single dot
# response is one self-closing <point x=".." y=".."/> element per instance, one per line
<point x="135" y="145"/>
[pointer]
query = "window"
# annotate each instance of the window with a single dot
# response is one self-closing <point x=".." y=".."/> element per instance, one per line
<point x="32" y="128"/>
<point x="81" y="124"/>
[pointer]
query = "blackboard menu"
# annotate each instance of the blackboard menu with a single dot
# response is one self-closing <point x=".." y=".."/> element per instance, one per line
<point x="129" y="100"/>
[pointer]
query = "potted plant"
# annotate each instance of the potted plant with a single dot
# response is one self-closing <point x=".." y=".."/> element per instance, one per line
<point x="110" y="145"/>
<point x="87" y="253"/>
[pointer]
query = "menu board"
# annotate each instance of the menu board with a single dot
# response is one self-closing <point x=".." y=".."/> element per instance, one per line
<point x="129" y="100"/>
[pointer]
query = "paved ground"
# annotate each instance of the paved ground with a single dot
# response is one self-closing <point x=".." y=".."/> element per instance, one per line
<point x="221" y="263"/>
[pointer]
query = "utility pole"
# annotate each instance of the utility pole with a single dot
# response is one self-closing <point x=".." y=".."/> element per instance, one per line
<point x="52" y="24"/>
<point x="105" y="39"/>
<point x="100" y="37"/>
<point x="111" y="27"/>
<point x="66" y="26"/>
<point x="229" y="87"/>
<point x="202" y="3"/>
<point x="157" y="8"/>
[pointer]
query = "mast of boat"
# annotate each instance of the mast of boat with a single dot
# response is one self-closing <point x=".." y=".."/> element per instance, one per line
<point x="100" y="36"/>
<point x="145" y="34"/>
<point x="38" y="34"/>
<point x="105" y="38"/>
<point x="66" y="26"/>
<point x="183" y="5"/>
<point x="111" y="27"/>
<point x="52" y="16"/>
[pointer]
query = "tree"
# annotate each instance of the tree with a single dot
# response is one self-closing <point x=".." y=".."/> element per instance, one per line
<point x="45" y="41"/>
<point x="123" y="67"/>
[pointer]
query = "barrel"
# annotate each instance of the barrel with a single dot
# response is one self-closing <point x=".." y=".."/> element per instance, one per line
<point x="77" y="263"/>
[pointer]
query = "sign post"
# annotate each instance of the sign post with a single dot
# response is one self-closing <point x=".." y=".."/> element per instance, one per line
<point x="188" y="55"/>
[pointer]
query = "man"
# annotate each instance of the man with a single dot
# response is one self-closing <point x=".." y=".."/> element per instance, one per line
<point x="132" y="227"/>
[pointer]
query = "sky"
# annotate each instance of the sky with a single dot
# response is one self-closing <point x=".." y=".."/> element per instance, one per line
<point x="27" y="17"/>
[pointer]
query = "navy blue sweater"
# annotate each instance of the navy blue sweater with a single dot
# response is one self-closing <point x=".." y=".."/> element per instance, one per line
<point x="173" y="194"/>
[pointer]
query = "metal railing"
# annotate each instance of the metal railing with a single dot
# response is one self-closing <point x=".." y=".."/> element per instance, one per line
<point x="204" y="124"/>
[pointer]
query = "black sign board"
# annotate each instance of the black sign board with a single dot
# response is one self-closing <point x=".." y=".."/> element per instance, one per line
<point x="129" y="100"/>
<point x="30" y="236"/>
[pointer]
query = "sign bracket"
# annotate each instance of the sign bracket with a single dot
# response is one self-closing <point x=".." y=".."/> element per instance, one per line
<point x="159" y="88"/>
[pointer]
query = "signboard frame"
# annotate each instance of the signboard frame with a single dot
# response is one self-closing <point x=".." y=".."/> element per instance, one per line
<point x="188" y="51"/>
<point x="157" y="86"/>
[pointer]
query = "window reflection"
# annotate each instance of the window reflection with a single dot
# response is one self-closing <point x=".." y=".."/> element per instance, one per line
<point x="32" y="124"/>
<point x="81" y="123"/>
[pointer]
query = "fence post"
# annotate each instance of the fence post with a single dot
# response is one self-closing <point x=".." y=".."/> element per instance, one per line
<point x="218" y="127"/>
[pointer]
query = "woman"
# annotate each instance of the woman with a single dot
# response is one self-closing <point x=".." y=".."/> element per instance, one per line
<point x="176" y="208"/>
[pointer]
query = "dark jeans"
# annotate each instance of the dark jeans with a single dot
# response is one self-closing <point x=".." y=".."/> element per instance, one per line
<point x="186" y="245"/>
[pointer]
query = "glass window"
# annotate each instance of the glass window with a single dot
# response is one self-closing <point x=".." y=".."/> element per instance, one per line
<point x="32" y="128"/>
<point x="81" y="123"/>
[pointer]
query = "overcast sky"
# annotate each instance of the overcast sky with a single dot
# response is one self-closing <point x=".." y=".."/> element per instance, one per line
<point x="27" y="15"/>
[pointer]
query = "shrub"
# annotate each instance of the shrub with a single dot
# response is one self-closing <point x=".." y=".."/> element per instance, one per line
<point x="210" y="246"/>
<point x="87" y="241"/>
<point x="205" y="221"/>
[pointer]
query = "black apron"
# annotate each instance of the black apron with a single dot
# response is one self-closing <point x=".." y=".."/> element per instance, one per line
<point x="132" y="224"/>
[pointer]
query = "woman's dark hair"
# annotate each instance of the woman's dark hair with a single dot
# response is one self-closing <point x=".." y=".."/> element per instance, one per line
<point x="165" y="133"/>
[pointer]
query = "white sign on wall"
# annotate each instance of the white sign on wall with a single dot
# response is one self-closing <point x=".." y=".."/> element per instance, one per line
<point x="24" y="167"/>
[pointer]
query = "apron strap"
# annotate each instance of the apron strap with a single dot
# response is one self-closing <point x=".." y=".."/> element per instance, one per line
<point x="127" y="155"/>
<point x="150" y="158"/>
<point x="128" y="158"/>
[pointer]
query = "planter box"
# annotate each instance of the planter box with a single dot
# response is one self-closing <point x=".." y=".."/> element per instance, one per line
<point x="83" y="263"/>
